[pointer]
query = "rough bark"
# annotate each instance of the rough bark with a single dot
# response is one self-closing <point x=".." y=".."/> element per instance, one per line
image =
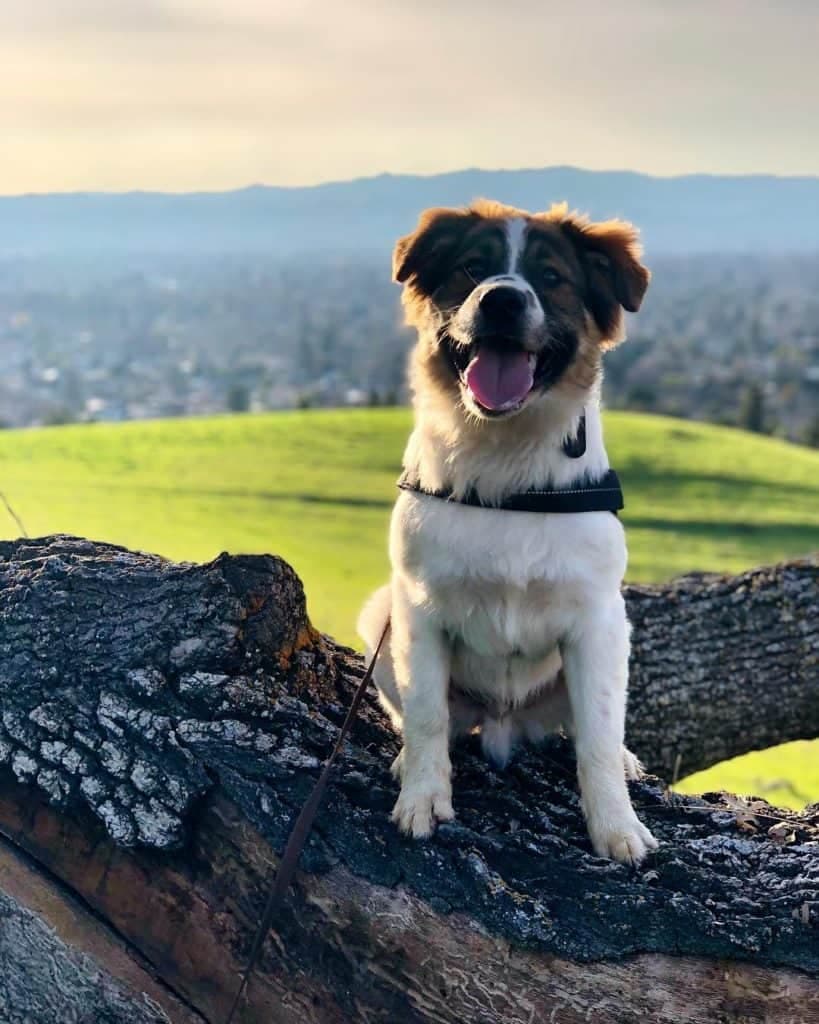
<point x="723" y="665"/>
<point x="162" y="723"/>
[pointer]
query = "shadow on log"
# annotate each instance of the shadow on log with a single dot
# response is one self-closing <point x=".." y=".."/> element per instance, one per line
<point x="162" y="724"/>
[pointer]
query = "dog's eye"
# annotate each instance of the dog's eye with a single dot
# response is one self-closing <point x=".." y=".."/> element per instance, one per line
<point x="476" y="270"/>
<point x="550" y="277"/>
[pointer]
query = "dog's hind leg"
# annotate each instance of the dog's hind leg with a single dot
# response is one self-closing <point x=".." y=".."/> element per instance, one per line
<point x="371" y="621"/>
<point x="554" y="712"/>
<point x="560" y="716"/>
<point x="631" y="763"/>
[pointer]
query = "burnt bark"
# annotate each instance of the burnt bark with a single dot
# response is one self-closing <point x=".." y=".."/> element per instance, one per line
<point x="161" y="724"/>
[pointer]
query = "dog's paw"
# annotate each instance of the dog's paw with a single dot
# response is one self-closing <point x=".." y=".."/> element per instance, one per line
<point x="626" y="840"/>
<point x="631" y="764"/>
<point x="422" y="805"/>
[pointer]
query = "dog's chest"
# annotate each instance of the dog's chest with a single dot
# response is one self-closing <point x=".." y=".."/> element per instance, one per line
<point x="503" y="583"/>
<point x="502" y="619"/>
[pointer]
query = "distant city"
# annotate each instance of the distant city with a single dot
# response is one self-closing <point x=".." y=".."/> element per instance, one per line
<point x="726" y="339"/>
<point x="93" y="327"/>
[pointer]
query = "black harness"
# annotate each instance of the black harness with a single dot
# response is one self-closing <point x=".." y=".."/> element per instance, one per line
<point x="603" y="495"/>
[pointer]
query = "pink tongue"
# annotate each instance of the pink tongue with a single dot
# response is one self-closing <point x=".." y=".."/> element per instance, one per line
<point x="500" y="380"/>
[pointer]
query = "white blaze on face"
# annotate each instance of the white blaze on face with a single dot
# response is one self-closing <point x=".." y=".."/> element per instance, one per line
<point x="500" y="378"/>
<point x="516" y="229"/>
<point x="516" y="236"/>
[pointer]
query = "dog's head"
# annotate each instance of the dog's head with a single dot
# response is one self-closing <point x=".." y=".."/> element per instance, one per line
<point x="511" y="306"/>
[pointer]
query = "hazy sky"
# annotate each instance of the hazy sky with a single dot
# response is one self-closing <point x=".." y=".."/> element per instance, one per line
<point x="211" y="94"/>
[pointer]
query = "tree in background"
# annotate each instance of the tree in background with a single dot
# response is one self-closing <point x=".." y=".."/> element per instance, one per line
<point x="752" y="410"/>
<point x="238" y="398"/>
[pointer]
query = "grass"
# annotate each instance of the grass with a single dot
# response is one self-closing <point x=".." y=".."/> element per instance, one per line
<point x="317" y="487"/>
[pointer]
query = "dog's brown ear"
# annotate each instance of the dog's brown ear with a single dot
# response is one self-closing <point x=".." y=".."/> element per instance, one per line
<point x="437" y="233"/>
<point x="610" y="253"/>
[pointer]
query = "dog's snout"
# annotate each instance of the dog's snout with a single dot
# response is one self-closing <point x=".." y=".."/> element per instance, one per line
<point x="502" y="303"/>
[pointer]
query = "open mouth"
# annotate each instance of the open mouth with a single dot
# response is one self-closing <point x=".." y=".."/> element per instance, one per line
<point x="499" y="376"/>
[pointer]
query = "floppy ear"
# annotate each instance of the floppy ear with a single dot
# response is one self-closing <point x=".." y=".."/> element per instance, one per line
<point x="616" y="279"/>
<point x="420" y="253"/>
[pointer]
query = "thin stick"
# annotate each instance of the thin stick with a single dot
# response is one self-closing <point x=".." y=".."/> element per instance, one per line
<point x="300" y="833"/>
<point x="14" y="515"/>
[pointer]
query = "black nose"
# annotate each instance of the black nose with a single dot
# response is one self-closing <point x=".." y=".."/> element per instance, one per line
<point x="502" y="303"/>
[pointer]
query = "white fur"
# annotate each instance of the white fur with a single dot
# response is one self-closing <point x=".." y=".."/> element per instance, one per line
<point x="490" y="605"/>
<point x="515" y="234"/>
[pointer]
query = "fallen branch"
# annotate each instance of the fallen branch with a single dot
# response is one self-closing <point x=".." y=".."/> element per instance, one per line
<point x="162" y="723"/>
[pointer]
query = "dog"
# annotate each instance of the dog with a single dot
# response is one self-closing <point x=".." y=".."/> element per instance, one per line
<point x="510" y="623"/>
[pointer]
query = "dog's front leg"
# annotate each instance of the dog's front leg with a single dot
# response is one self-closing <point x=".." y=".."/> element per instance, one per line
<point x="421" y="659"/>
<point x="595" y="659"/>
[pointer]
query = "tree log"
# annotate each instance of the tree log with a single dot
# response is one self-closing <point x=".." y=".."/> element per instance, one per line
<point x="161" y="724"/>
<point x="723" y="665"/>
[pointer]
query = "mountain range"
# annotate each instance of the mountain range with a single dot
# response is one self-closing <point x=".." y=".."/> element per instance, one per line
<point x="688" y="214"/>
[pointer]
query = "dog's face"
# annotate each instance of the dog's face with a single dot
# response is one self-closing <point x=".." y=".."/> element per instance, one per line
<point x="511" y="306"/>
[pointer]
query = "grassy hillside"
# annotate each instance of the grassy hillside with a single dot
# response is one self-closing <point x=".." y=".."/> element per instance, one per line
<point x="317" y="487"/>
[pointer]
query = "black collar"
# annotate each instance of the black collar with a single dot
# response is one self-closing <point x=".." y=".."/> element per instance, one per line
<point x="604" y="495"/>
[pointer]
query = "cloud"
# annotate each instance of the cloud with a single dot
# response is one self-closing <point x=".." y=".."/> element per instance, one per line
<point x="182" y="94"/>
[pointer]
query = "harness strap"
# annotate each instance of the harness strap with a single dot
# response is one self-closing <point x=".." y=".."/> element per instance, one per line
<point x="605" y="495"/>
<point x="300" y="832"/>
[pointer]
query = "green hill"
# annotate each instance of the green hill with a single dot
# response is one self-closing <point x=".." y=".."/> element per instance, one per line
<point x="317" y="487"/>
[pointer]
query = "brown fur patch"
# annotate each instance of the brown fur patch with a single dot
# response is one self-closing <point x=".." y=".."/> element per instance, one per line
<point x="609" y="253"/>
<point x="585" y="367"/>
<point x="424" y="259"/>
<point x="431" y="368"/>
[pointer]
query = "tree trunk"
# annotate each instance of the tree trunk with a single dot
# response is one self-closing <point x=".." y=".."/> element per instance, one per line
<point x="162" y="724"/>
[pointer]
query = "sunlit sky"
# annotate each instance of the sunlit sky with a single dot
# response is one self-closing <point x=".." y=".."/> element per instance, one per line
<point x="213" y="94"/>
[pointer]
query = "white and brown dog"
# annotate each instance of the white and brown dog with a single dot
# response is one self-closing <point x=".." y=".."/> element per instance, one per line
<point x="509" y="622"/>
